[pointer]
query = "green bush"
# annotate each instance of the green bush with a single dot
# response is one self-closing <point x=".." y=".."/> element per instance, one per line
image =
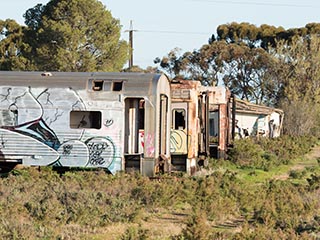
<point x="264" y="153"/>
<point x="133" y="233"/>
<point x="282" y="205"/>
<point x="248" y="153"/>
<point x="197" y="227"/>
<point x="42" y="204"/>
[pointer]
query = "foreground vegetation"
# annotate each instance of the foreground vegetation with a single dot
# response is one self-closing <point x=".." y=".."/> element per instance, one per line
<point x="237" y="199"/>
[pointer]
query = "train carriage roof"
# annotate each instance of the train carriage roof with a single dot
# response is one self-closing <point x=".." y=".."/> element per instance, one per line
<point x="79" y="80"/>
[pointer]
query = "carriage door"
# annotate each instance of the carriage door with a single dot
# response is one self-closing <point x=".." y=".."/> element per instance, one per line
<point x="203" y="101"/>
<point x="134" y="132"/>
<point x="179" y="129"/>
<point x="163" y="132"/>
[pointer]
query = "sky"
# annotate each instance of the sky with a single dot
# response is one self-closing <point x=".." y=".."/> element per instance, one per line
<point x="161" y="26"/>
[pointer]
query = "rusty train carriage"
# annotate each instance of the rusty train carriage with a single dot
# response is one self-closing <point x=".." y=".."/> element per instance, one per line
<point x="220" y="120"/>
<point x="189" y="133"/>
<point x="201" y="125"/>
<point x="117" y="121"/>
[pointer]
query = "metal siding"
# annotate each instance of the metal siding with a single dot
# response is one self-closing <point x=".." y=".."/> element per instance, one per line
<point x="44" y="103"/>
<point x="43" y="135"/>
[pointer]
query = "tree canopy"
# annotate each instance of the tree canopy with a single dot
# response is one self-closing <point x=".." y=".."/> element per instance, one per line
<point x="265" y="65"/>
<point x="64" y="35"/>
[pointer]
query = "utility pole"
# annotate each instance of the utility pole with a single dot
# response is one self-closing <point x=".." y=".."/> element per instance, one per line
<point x="131" y="44"/>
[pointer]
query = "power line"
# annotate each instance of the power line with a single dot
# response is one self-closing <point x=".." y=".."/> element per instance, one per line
<point x="257" y="3"/>
<point x="174" y="32"/>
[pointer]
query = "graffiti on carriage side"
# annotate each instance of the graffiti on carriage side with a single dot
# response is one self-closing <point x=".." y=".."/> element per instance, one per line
<point x="108" y="122"/>
<point x="149" y="144"/>
<point x="146" y="143"/>
<point x="43" y="112"/>
<point x="101" y="151"/>
<point x="96" y="149"/>
<point x="2" y="143"/>
<point x="67" y="149"/>
<point x="6" y="95"/>
<point x="178" y="141"/>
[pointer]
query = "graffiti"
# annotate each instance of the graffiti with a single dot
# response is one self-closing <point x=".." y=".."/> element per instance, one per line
<point x="39" y="130"/>
<point x="40" y="137"/>
<point x="101" y="151"/>
<point x="141" y="140"/>
<point x="67" y="149"/>
<point x="75" y="106"/>
<point x="55" y="117"/>
<point x="73" y="153"/>
<point x="2" y="144"/>
<point x="82" y="122"/>
<point x="149" y="144"/>
<point x="47" y="94"/>
<point x="178" y="141"/>
<point x="108" y="122"/>
<point x="6" y="96"/>
<point x="29" y="149"/>
<point x="96" y="150"/>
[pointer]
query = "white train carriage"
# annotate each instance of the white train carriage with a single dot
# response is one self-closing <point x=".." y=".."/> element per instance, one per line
<point x="117" y="121"/>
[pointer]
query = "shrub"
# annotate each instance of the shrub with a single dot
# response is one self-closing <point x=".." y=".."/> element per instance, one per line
<point x="134" y="232"/>
<point x="197" y="227"/>
<point x="265" y="153"/>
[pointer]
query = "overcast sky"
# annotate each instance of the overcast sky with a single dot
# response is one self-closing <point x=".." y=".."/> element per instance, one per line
<point x="186" y="24"/>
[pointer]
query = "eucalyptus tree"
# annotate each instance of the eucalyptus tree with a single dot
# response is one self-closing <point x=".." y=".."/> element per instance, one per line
<point x="244" y="70"/>
<point x="13" y="48"/>
<point x="239" y="57"/>
<point x="74" y="35"/>
<point x="298" y="72"/>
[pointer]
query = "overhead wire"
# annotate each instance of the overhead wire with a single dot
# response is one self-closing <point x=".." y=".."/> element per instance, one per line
<point x="258" y="3"/>
<point x="173" y="32"/>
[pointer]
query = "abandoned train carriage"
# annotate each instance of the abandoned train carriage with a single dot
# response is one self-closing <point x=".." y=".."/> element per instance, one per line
<point x="201" y="124"/>
<point x="220" y="120"/>
<point x="117" y="121"/>
<point x="253" y="120"/>
<point x="189" y="133"/>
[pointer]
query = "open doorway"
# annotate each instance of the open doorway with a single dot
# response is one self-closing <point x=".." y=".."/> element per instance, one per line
<point x="134" y="132"/>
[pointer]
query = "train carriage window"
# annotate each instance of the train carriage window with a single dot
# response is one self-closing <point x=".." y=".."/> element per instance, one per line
<point x="117" y="86"/>
<point x="212" y="130"/>
<point x="178" y="119"/>
<point x="85" y="119"/>
<point x="97" y="85"/>
<point x="141" y="114"/>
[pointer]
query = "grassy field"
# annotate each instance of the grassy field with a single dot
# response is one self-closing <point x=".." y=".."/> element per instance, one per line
<point x="224" y="201"/>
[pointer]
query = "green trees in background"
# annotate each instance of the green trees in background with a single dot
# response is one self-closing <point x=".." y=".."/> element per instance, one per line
<point x="298" y="71"/>
<point x="13" y="49"/>
<point x="75" y="35"/>
<point x="265" y="65"/>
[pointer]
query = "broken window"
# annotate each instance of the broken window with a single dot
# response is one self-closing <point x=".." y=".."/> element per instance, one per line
<point x="117" y="86"/>
<point x="85" y="119"/>
<point x="97" y="85"/>
<point x="179" y="121"/>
